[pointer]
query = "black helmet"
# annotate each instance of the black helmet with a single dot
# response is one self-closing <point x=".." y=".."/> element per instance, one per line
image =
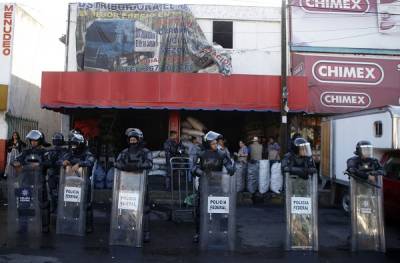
<point x="35" y="135"/>
<point x="134" y="132"/>
<point x="58" y="139"/>
<point x="302" y="147"/>
<point x="211" y="136"/>
<point x="76" y="138"/>
<point x="364" y="149"/>
<point x="76" y="141"/>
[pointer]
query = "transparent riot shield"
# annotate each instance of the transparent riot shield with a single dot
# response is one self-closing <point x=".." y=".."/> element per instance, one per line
<point x="367" y="220"/>
<point x="24" y="215"/>
<point x="218" y="211"/>
<point x="301" y="213"/>
<point x="72" y="202"/>
<point x="127" y="208"/>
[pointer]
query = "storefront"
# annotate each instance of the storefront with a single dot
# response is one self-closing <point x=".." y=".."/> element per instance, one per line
<point x="103" y="105"/>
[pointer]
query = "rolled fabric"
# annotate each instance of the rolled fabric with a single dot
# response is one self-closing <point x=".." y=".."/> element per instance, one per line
<point x="192" y="132"/>
<point x="196" y="124"/>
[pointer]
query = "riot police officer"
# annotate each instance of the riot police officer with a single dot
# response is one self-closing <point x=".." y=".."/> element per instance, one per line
<point x="364" y="166"/>
<point x="210" y="159"/>
<point x="301" y="185"/>
<point x="137" y="158"/>
<point x="299" y="160"/>
<point x="53" y="172"/>
<point x="366" y="195"/>
<point x="35" y="156"/>
<point x="77" y="156"/>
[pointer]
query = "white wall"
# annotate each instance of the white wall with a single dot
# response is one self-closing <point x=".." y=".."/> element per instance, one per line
<point x="362" y="128"/>
<point x="35" y="50"/>
<point x="256" y="36"/>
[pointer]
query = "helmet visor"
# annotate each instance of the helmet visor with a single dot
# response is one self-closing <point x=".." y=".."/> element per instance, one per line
<point x="305" y="150"/>
<point x="366" y="151"/>
<point x="211" y="136"/>
<point x="34" y="135"/>
<point x="77" y="138"/>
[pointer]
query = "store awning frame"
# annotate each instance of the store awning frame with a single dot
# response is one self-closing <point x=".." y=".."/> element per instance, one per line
<point x="62" y="91"/>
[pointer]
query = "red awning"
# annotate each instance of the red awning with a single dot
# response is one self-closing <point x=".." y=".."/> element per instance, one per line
<point x="65" y="90"/>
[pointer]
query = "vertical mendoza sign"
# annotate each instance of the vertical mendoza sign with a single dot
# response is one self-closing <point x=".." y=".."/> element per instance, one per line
<point x="7" y="19"/>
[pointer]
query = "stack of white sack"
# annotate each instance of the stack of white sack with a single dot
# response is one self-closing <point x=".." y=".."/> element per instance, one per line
<point x="159" y="164"/>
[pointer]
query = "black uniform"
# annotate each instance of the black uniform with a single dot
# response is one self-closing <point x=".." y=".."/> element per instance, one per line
<point x="134" y="158"/>
<point x="297" y="165"/>
<point x="210" y="161"/>
<point x="137" y="158"/>
<point x="171" y="150"/>
<point x="86" y="159"/>
<point x="362" y="168"/>
<point x="19" y="145"/>
<point x="53" y="173"/>
<point x="37" y="155"/>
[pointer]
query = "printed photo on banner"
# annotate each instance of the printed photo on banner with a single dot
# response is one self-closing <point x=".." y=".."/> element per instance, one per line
<point x="142" y="38"/>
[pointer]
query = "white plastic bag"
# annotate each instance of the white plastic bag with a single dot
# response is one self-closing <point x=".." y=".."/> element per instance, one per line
<point x="264" y="177"/>
<point x="160" y="161"/>
<point x="276" y="178"/>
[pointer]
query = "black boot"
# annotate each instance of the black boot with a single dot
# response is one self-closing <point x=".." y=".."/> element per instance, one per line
<point x="167" y="183"/>
<point x="89" y="229"/>
<point x="89" y="220"/>
<point x="45" y="229"/>
<point x="196" y="238"/>
<point x="146" y="237"/>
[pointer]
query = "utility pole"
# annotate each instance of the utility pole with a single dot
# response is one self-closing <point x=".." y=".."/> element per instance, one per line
<point x="284" y="90"/>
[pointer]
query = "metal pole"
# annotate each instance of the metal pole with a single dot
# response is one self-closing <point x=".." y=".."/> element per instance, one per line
<point x="284" y="91"/>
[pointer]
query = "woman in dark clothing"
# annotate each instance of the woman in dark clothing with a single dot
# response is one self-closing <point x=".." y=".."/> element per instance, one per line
<point x="15" y="143"/>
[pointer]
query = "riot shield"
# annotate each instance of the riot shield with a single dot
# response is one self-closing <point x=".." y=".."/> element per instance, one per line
<point x="301" y="213"/>
<point x="127" y="208"/>
<point x="367" y="220"/>
<point x="72" y="198"/>
<point x="24" y="214"/>
<point x="218" y="211"/>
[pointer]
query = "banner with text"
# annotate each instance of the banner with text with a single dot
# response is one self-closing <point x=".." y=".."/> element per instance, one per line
<point x="142" y="38"/>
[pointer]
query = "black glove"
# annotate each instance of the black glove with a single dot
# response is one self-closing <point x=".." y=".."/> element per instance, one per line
<point x="304" y="176"/>
<point x="118" y="166"/>
<point x="362" y="174"/>
<point x="199" y="172"/>
<point x="311" y="170"/>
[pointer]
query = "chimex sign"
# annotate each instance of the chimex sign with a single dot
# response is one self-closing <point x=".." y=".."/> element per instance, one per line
<point x="333" y="24"/>
<point x="347" y="72"/>
<point x="335" y="6"/>
<point x="347" y="83"/>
